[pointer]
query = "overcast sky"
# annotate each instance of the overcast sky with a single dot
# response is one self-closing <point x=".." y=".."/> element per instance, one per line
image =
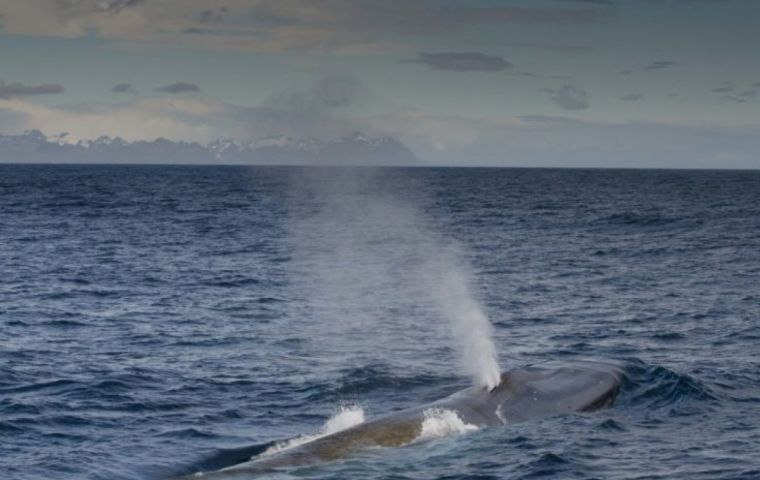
<point x="638" y="83"/>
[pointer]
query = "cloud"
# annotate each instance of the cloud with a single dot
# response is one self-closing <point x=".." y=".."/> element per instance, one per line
<point x="733" y="94"/>
<point x="179" y="87"/>
<point x="17" y="89"/>
<point x="318" y="111"/>
<point x="633" y="97"/>
<point x="595" y="2"/>
<point x="654" y="65"/>
<point x="546" y="120"/>
<point x="659" y="65"/>
<point x="143" y="119"/>
<point x="554" y="47"/>
<point x="115" y="6"/>
<point x="209" y="16"/>
<point x="329" y="93"/>
<point x="462" y="62"/>
<point x="569" y="97"/>
<point x="124" y="88"/>
<point x="524" y="74"/>
<point x="740" y="97"/>
<point x="267" y="25"/>
<point x="69" y="19"/>
<point x="322" y="110"/>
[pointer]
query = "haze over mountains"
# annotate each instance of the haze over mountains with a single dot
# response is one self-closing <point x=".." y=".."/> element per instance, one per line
<point x="356" y="149"/>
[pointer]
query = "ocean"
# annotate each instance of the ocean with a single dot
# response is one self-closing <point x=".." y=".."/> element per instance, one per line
<point x="155" y="320"/>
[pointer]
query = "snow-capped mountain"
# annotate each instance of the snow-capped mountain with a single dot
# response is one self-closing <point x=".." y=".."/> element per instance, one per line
<point x="355" y="149"/>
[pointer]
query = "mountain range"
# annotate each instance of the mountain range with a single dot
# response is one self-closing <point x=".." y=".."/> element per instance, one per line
<point x="353" y="150"/>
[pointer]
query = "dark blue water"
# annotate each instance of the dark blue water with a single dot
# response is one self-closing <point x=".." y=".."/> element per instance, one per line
<point x="151" y="317"/>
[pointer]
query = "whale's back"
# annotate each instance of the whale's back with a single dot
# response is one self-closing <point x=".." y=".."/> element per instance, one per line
<point x="557" y="388"/>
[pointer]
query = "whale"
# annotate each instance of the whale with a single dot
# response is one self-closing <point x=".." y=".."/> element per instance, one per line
<point x="531" y="392"/>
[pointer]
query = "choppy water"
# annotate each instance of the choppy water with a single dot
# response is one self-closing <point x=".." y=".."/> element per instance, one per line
<point x="153" y="316"/>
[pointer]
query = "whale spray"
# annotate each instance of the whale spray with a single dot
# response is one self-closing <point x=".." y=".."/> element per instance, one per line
<point x="367" y="258"/>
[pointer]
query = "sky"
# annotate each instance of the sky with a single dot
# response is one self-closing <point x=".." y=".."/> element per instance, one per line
<point x="563" y="83"/>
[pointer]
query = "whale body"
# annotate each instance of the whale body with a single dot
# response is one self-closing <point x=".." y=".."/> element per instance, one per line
<point x="532" y="392"/>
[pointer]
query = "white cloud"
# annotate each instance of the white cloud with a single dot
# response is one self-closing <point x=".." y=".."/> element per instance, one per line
<point x="144" y="119"/>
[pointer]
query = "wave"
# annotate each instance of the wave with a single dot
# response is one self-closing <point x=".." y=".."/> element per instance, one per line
<point x="637" y="219"/>
<point x="235" y="281"/>
<point x="654" y="387"/>
<point x="648" y="220"/>
<point x="347" y="417"/>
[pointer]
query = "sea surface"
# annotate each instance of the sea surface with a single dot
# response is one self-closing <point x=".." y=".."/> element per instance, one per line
<point x="156" y="320"/>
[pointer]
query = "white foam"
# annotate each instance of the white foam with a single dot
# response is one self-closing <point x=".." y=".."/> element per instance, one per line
<point x="441" y="422"/>
<point x="347" y="417"/>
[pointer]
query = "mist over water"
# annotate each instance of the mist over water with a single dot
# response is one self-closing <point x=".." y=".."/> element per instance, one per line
<point x="371" y="263"/>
